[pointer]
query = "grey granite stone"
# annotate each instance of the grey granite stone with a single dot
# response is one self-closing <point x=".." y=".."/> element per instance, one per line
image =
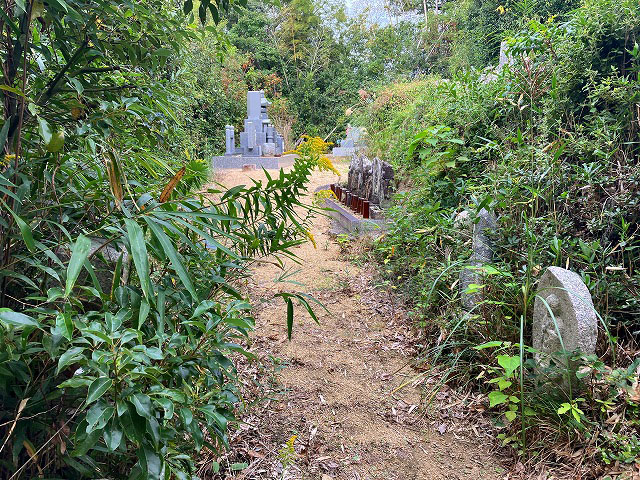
<point x="482" y="253"/>
<point x="259" y="136"/>
<point x="230" y="140"/>
<point x="576" y="324"/>
<point x="352" y="144"/>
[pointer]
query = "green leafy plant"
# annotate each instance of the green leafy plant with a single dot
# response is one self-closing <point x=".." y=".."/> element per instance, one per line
<point x="121" y="316"/>
<point x="436" y="147"/>
<point x="571" y="408"/>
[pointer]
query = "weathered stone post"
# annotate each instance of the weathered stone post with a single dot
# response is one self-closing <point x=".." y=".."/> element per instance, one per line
<point x="564" y="319"/>
<point x="481" y="255"/>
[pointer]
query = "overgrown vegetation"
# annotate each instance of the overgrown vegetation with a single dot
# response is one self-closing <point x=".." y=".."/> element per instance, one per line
<point x="312" y="60"/>
<point x="120" y="313"/>
<point x="551" y="144"/>
<point x="120" y="307"/>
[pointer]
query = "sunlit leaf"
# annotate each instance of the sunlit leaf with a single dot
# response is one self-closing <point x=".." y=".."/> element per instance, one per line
<point x="79" y="253"/>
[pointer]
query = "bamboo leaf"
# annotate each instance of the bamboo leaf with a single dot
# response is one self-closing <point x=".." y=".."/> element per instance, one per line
<point x="115" y="175"/>
<point x="7" y="88"/>
<point x="139" y="254"/>
<point x="117" y="275"/>
<point x="25" y="230"/>
<point x="144" y="312"/>
<point x="5" y="130"/>
<point x="172" y="254"/>
<point x="166" y="192"/>
<point x="79" y="253"/>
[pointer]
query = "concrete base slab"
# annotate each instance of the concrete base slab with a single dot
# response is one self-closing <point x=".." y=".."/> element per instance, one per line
<point x="349" y="221"/>
<point x="346" y="221"/>
<point x="344" y="151"/>
<point x="239" y="161"/>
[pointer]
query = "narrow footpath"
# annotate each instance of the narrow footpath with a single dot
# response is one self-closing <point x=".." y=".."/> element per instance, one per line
<point x="334" y="391"/>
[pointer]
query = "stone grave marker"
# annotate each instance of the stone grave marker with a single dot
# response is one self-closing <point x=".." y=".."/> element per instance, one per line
<point x="352" y="143"/>
<point x="370" y="179"/>
<point x="482" y="254"/>
<point x="576" y="323"/>
<point x="260" y="142"/>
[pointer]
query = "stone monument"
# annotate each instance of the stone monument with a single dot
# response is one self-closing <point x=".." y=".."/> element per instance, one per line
<point x="260" y="143"/>
<point x="576" y="324"/>
<point x="353" y="142"/>
<point x="482" y="253"/>
<point x="370" y="179"/>
<point x="491" y="73"/>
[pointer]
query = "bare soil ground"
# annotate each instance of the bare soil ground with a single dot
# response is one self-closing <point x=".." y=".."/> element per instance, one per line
<point x="336" y="385"/>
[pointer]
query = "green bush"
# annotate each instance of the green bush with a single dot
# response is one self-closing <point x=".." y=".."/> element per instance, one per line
<point x="129" y="377"/>
<point x="120" y="315"/>
<point x="550" y="144"/>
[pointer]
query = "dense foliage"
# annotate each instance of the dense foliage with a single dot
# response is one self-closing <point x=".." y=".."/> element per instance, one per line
<point x="550" y="144"/>
<point x="314" y="63"/>
<point x="120" y="313"/>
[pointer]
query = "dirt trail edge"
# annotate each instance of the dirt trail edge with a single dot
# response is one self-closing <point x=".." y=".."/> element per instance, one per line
<point x="337" y="381"/>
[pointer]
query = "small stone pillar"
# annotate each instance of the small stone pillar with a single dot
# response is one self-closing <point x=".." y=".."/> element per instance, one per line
<point x="482" y="254"/>
<point x="230" y="140"/>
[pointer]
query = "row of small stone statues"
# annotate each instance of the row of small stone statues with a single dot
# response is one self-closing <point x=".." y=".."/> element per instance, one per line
<point x="564" y="317"/>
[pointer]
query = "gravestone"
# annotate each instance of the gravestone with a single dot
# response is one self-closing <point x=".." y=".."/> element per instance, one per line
<point x="491" y="73"/>
<point x="259" y="139"/>
<point x="482" y="253"/>
<point x="381" y="181"/>
<point x="576" y="323"/>
<point x="505" y="57"/>
<point x="230" y="140"/>
<point x="352" y="144"/>
<point x="370" y="179"/>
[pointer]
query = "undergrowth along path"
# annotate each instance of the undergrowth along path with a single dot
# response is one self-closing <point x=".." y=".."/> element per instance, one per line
<point x="335" y="386"/>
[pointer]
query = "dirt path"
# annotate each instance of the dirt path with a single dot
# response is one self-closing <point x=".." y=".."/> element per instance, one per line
<point x="335" y="382"/>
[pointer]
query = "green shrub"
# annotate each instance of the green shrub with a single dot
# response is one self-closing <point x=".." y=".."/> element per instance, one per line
<point x="550" y="144"/>
<point x="129" y="378"/>
<point x="120" y="311"/>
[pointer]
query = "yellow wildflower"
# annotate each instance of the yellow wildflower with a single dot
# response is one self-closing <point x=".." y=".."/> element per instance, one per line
<point x="313" y="149"/>
<point x="325" y="164"/>
<point x="287" y="453"/>
<point x="311" y="237"/>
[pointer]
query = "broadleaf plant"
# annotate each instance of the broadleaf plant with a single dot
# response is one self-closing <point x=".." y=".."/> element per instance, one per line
<point x="120" y="315"/>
